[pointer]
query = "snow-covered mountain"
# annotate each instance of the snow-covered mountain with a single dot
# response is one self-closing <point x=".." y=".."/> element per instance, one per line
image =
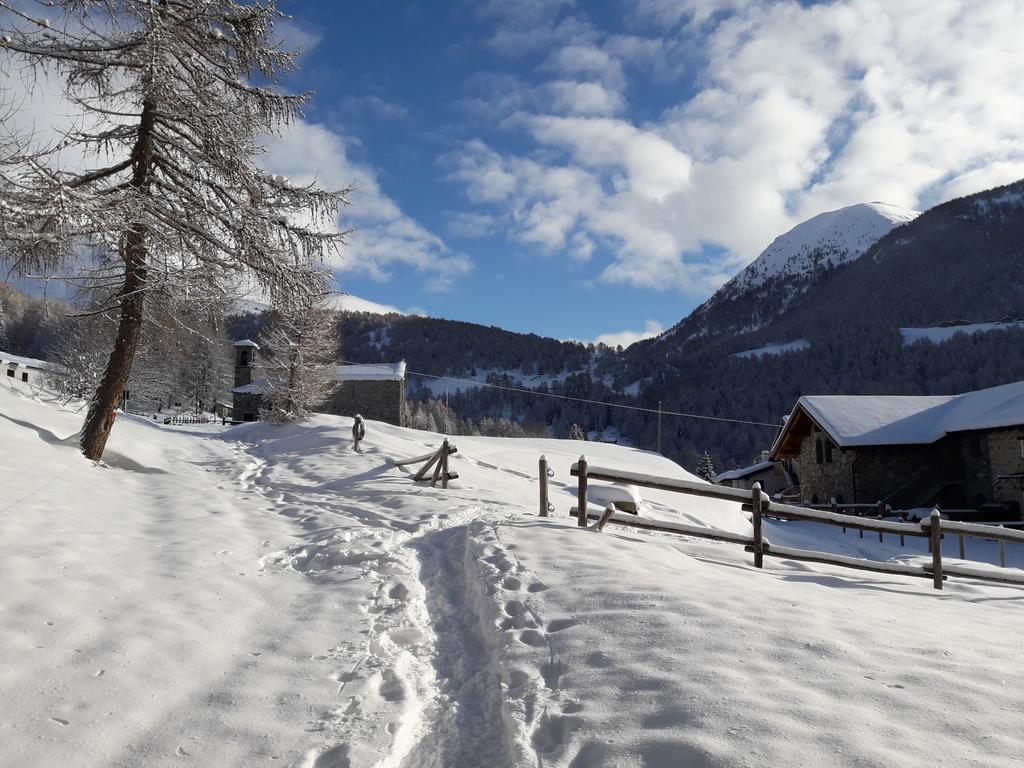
<point x="787" y="268"/>
<point x="824" y="241"/>
<point x="342" y="302"/>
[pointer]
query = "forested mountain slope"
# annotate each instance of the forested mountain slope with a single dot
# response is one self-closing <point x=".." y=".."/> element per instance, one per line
<point x="960" y="260"/>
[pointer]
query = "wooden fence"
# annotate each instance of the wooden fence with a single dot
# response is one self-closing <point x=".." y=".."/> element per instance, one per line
<point x="438" y="460"/>
<point x="761" y="506"/>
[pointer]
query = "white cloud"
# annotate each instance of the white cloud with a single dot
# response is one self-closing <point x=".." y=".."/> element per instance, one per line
<point x="386" y="239"/>
<point x="800" y="108"/>
<point x="625" y="338"/>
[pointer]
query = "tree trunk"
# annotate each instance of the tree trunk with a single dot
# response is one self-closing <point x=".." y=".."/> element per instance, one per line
<point x="100" y="418"/>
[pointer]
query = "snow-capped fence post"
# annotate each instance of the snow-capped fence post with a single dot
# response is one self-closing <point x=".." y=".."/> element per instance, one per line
<point x="543" y="476"/>
<point x="605" y="517"/>
<point x="935" y="539"/>
<point x="881" y="515"/>
<point x="358" y="432"/>
<point x="1002" y="551"/>
<point x="444" y="464"/>
<point x="755" y="505"/>
<point x="581" y="493"/>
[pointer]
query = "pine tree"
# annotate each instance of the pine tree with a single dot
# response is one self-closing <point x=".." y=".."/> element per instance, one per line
<point x="172" y="110"/>
<point x="300" y="361"/>
<point x="576" y="432"/>
<point x="706" y="468"/>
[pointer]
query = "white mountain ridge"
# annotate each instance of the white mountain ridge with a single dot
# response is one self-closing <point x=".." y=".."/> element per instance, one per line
<point x="822" y="242"/>
<point x="342" y="302"/>
<point x="826" y="240"/>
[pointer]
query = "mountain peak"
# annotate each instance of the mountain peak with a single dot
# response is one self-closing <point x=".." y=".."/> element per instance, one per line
<point x="824" y="241"/>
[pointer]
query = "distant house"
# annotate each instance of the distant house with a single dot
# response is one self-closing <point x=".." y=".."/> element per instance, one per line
<point x="957" y="451"/>
<point x="376" y="391"/>
<point x="772" y="475"/>
<point x="24" y="369"/>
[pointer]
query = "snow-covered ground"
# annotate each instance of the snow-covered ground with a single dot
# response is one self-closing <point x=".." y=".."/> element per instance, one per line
<point x="774" y="349"/>
<point x="941" y="334"/>
<point x="261" y="596"/>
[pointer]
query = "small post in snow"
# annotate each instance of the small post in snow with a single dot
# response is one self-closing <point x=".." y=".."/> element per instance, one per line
<point x="935" y="538"/>
<point x="543" y="476"/>
<point x="755" y="505"/>
<point x="881" y="514"/>
<point x="605" y="517"/>
<point x="581" y="493"/>
<point x="358" y="432"/>
<point x="1002" y="551"/>
<point x="444" y="464"/>
<point x="963" y="554"/>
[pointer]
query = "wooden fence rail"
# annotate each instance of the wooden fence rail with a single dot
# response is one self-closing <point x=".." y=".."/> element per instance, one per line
<point x="760" y="505"/>
<point x="436" y="460"/>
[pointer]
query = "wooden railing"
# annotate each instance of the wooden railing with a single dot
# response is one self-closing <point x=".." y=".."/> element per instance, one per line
<point x="438" y="460"/>
<point x="760" y="506"/>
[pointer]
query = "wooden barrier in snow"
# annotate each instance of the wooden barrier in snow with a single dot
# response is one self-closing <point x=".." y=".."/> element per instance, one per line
<point x="760" y="506"/>
<point x="436" y="460"/>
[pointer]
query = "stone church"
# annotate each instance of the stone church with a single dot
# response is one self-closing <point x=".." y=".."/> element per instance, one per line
<point x="375" y="391"/>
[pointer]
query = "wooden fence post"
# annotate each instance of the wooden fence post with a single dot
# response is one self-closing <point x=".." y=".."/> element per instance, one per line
<point x="755" y="504"/>
<point x="543" y="486"/>
<point x="835" y="509"/>
<point x="1002" y="551"/>
<point x="935" y="537"/>
<point x="581" y="493"/>
<point x="881" y="514"/>
<point x="605" y="517"/>
<point x="444" y="464"/>
<point x="963" y="554"/>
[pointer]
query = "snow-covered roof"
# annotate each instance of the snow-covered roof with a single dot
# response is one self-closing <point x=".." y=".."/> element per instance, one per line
<point x="247" y="343"/>
<point x="861" y="420"/>
<point x="741" y="472"/>
<point x="7" y="359"/>
<point x="257" y="387"/>
<point x="372" y="372"/>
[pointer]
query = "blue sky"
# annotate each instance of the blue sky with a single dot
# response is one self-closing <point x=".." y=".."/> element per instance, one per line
<point x="595" y="169"/>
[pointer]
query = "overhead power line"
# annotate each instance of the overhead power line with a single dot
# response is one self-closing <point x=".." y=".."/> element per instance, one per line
<point x="555" y="396"/>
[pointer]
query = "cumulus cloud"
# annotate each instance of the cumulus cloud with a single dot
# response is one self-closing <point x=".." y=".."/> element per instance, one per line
<point x="625" y="338"/>
<point x="798" y="108"/>
<point x="386" y="238"/>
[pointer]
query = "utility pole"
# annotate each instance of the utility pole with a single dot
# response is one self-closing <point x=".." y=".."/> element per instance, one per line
<point x="659" y="426"/>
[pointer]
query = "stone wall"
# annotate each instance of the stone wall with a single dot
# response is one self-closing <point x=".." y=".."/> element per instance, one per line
<point x="246" y="407"/>
<point x="827" y="479"/>
<point x="903" y="475"/>
<point x="1004" y="450"/>
<point x="377" y="400"/>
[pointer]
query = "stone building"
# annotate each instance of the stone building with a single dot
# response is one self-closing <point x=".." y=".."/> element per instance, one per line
<point x="958" y="451"/>
<point x="247" y="394"/>
<point x="772" y="475"/>
<point x="24" y="369"/>
<point x="375" y="391"/>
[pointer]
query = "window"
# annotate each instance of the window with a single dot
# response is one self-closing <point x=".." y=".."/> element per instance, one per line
<point x="24" y="375"/>
<point x="10" y="372"/>
<point x="818" y="455"/>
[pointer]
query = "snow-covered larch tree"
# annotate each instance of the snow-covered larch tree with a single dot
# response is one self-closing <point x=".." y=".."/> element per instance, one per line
<point x="159" y="175"/>
<point x="299" y="353"/>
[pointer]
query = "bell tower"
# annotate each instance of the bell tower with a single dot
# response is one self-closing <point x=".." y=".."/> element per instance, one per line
<point x="245" y="361"/>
